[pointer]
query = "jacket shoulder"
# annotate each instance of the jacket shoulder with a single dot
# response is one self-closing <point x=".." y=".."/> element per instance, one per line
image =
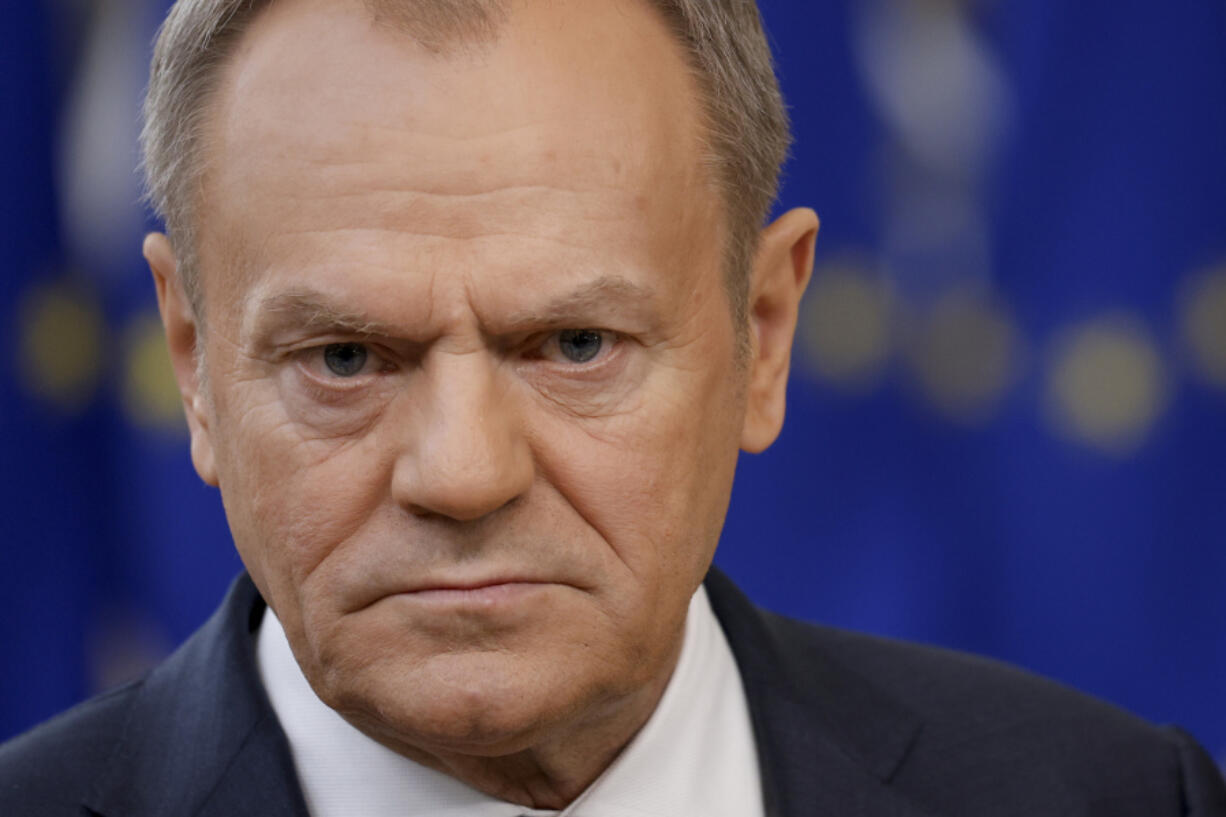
<point x="968" y="694"/>
<point x="991" y="726"/>
<point x="50" y="769"/>
<point x="952" y="733"/>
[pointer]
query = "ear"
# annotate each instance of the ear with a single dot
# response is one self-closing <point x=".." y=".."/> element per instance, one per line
<point x="780" y="273"/>
<point x="182" y="337"/>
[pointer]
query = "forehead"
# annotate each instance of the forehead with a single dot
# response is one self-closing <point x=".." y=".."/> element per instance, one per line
<point x="578" y="115"/>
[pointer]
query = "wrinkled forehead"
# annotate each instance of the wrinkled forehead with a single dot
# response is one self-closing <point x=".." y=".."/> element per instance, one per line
<point x="576" y="112"/>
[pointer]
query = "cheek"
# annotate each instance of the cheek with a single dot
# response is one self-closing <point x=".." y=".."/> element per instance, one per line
<point x="654" y="483"/>
<point x="292" y="500"/>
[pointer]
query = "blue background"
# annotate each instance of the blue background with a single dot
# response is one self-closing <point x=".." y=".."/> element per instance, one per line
<point x="1005" y="427"/>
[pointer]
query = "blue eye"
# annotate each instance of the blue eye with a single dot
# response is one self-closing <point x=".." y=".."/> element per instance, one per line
<point x="580" y="345"/>
<point x="345" y="359"/>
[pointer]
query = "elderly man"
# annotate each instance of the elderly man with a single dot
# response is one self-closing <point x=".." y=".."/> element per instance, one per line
<point x="471" y="312"/>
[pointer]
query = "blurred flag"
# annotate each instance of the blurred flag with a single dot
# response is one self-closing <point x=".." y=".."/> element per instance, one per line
<point x="118" y="551"/>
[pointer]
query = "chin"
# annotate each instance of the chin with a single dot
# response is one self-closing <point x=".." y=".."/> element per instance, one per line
<point x="485" y="704"/>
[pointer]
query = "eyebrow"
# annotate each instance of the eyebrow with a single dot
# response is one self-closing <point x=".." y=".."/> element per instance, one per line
<point x="608" y="293"/>
<point x="311" y="310"/>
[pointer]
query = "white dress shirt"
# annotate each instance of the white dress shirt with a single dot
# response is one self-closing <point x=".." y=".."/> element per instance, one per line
<point x="694" y="756"/>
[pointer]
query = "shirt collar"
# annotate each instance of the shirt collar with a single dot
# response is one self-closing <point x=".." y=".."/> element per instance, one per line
<point x="695" y="754"/>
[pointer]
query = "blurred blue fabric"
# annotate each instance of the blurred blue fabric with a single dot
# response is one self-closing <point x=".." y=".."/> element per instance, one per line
<point x="1005" y="429"/>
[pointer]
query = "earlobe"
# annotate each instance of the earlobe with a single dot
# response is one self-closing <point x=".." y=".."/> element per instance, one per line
<point x="179" y="322"/>
<point x="780" y="273"/>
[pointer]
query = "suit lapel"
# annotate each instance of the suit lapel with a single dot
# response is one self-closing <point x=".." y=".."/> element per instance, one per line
<point x="829" y="742"/>
<point x="201" y="737"/>
<point x="260" y="781"/>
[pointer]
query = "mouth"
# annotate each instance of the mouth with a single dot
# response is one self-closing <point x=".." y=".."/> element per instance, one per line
<point x="480" y="594"/>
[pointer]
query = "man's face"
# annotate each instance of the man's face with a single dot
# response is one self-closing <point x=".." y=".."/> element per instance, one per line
<point x="472" y="394"/>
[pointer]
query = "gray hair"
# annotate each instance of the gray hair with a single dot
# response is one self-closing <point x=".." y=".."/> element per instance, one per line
<point x="746" y="124"/>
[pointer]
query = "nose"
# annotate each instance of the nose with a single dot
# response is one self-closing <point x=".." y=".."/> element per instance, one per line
<point x="467" y="456"/>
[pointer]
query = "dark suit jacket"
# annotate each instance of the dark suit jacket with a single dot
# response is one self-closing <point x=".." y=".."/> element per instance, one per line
<point x="847" y="726"/>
